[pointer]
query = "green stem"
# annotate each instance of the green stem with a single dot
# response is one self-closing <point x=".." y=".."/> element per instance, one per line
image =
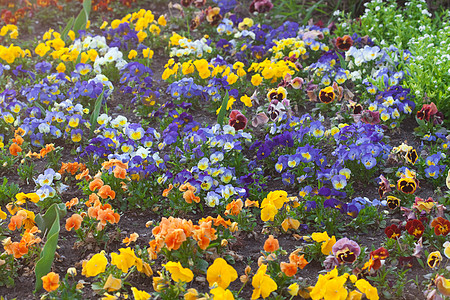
<point x="242" y="287"/>
<point x="129" y="272"/>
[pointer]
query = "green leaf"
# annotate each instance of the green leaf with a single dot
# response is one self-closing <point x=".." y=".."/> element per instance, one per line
<point x="387" y="295"/>
<point x="45" y="222"/>
<point x="80" y="22"/>
<point x="420" y="261"/>
<point x="83" y="17"/>
<point x="87" y="6"/>
<point x="342" y="61"/>
<point x="43" y="110"/>
<point x="223" y="109"/>
<point x="230" y="259"/>
<point x="96" y="112"/>
<point x="65" y="32"/>
<point x="78" y="59"/>
<point x="311" y="10"/>
<point x="44" y="264"/>
<point x="202" y="265"/>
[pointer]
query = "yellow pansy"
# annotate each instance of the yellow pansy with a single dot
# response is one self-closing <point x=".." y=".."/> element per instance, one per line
<point x="162" y="21"/>
<point x="222" y="294"/>
<point x="147" y="53"/>
<point x="178" y="272"/>
<point x="367" y="289"/>
<point x="2" y="214"/>
<point x="246" y="100"/>
<point x="268" y="212"/>
<point x="140" y="295"/>
<point x="221" y="272"/>
<point x="132" y="54"/>
<point x="22" y="198"/>
<point x="141" y="36"/>
<point x="112" y="284"/>
<point x="256" y="79"/>
<point x="61" y="68"/>
<point x="71" y="35"/>
<point x="41" y="49"/>
<point x="262" y="283"/>
<point x="96" y="265"/>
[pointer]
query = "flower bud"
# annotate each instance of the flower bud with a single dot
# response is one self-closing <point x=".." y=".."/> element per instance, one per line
<point x="261" y="260"/>
<point x="244" y="278"/>
<point x="247" y="270"/>
<point x="72" y="271"/>
<point x="224" y="243"/>
<point x="271" y="257"/>
<point x="234" y="227"/>
<point x="80" y="285"/>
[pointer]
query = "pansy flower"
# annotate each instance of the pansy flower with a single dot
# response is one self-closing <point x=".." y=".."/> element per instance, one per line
<point x="339" y="181"/>
<point x="370" y="117"/>
<point x="411" y="156"/>
<point x="415" y="228"/>
<point x="346" y="251"/>
<point x="344" y="43"/>
<point x="277" y="94"/>
<point x="432" y="172"/>
<point x="384" y="186"/>
<point x="393" y="202"/>
<point x="393" y="231"/>
<point x="441" y="226"/>
<point x="434" y="259"/>
<point x="442" y="284"/>
<point x="424" y="205"/>
<point x="427" y="111"/>
<point x="237" y="120"/>
<point x="260" y="6"/>
<point x="407" y="185"/>
<point x="376" y="257"/>
<point x="327" y="95"/>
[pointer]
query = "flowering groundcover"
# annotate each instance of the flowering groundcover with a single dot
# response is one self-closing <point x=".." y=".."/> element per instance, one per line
<point x="211" y="150"/>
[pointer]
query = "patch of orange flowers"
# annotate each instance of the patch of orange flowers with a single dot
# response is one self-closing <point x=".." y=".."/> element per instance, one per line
<point x="189" y="193"/>
<point x="234" y="208"/>
<point x="120" y="168"/>
<point x="19" y="249"/>
<point x="103" y="213"/>
<point x="50" y="282"/>
<point x="104" y="191"/>
<point x="172" y="232"/>
<point x="74" y="222"/>
<point x="42" y="153"/>
<point x="71" y="168"/>
<point x="271" y="244"/>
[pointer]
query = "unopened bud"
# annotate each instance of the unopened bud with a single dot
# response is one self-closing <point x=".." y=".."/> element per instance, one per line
<point x="271" y="257"/>
<point x="80" y="285"/>
<point x="261" y="260"/>
<point x="247" y="270"/>
<point x="243" y="278"/>
<point x="234" y="227"/>
<point x="72" y="271"/>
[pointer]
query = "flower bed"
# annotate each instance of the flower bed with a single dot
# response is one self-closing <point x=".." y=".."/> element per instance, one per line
<point x="232" y="156"/>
